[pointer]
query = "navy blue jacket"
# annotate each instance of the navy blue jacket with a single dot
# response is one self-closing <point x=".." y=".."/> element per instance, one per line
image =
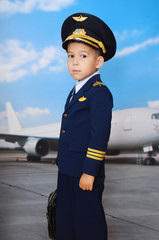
<point x="85" y="130"/>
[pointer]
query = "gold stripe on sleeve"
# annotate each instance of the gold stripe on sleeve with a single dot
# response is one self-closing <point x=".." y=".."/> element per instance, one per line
<point x="96" y="151"/>
<point x="96" y="158"/>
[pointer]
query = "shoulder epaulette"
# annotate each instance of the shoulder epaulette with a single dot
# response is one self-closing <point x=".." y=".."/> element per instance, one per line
<point x="98" y="83"/>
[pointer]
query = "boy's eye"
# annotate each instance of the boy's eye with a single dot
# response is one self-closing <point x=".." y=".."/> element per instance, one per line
<point x="70" y="56"/>
<point x="83" y="56"/>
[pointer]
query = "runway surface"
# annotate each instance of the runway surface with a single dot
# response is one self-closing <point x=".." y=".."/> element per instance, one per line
<point x="130" y="199"/>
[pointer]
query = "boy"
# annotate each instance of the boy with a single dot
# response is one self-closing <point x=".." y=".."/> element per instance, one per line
<point x="85" y="131"/>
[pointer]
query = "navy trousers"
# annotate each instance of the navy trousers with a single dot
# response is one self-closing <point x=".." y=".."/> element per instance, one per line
<point x="79" y="214"/>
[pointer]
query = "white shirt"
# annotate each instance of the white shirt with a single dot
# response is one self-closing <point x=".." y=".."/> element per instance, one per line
<point x="79" y="84"/>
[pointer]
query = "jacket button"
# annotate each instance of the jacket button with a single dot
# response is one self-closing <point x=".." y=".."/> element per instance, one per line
<point x="65" y="115"/>
<point x="63" y="131"/>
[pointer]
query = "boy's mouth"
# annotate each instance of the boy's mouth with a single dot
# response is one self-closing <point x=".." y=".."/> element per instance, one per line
<point x="76" y="71"/>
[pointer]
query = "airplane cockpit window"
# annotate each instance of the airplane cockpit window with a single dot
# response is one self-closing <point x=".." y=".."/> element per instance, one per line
<point x="155" y="116"/>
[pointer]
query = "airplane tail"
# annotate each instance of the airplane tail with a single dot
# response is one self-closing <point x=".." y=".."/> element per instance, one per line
<point x="13" y="121"/>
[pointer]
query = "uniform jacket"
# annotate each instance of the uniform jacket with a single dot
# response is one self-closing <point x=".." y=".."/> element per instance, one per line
<point x="85" y="130"/>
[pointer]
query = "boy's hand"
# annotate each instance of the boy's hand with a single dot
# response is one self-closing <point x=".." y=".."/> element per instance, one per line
<point x="86" y="182"/>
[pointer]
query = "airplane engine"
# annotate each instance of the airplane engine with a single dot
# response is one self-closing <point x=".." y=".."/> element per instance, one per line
<point x="36" y="147"/>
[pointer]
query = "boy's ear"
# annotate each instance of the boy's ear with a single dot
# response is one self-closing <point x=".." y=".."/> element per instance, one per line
<point x="100" y="61"/>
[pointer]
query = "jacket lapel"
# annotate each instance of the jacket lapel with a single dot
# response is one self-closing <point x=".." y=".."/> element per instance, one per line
<point x="81" y="92"/>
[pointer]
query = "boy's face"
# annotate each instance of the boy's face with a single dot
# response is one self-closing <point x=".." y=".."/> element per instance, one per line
<point x="83" y="60"/>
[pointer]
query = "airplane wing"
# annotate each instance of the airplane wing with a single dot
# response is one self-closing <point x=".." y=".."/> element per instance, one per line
<point x="21" y="140"/>
<point x="35" y="146"/>
<point x="14" y="138"/>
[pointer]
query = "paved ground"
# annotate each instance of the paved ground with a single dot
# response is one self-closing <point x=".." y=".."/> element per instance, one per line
<point x="131" y="198"/>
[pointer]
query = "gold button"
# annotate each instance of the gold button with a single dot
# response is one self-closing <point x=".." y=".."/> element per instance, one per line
<point x="65" y="115"/>
<point x="63" y="131"/>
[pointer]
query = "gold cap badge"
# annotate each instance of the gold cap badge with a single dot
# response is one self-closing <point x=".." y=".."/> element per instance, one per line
<point x="80" y="18"/>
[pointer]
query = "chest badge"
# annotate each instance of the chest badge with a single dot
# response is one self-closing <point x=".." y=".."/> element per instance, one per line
<point x="82" y="99"/>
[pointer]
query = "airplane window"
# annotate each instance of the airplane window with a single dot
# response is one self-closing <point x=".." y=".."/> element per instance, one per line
<point x="155" y="116"/>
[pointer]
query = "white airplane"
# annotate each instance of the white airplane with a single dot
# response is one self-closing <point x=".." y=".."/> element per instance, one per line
<point x="7" y="145"/>
<point x="131" y="129"/>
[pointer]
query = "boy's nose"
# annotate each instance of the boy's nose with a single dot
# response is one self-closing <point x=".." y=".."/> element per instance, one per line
<point x="75" y="61"/>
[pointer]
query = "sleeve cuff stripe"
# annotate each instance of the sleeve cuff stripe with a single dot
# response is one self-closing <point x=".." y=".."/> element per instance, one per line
<point x="96" y="151"/>
<point x="95" y="154"/>
<point x="96" y="158"/>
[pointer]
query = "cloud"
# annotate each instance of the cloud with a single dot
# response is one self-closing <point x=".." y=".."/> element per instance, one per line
<point x="14" y="56"/>
<point x="137" y="47"/>
<point x="127" y="34"/>
<point x="28" y="6"/>
<point x="34" y="112"/>
<point x="18" y="59"/>
<point x="153" y="104"/>
<point x="46" y="56"/>
<point x="28" y="111"/>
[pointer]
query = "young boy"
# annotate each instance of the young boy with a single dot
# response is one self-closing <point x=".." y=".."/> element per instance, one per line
<point x="85" y="131"/>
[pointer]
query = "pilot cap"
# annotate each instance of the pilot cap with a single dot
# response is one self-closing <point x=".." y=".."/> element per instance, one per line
<point x="89" y="29"/>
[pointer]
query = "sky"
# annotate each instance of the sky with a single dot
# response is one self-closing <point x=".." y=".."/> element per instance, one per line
<point x="33" y="65"/>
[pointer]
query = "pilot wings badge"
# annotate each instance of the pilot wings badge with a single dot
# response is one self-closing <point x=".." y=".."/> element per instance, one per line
<point x="80" y="18"/>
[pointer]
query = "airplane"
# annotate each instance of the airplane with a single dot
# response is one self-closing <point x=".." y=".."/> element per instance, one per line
<point x="131" y="129"/>
<point x="7" y="145"/>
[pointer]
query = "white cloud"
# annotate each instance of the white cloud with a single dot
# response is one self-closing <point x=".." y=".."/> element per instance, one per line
<point x="12" y="7"/>
<point x="53" y="5"/>
<point x="46" y="56"/>
<point x="127" y="34"/>
<point x="18" y="59"/>
<point x="56" y="68"/>
<point x="14" y="55"/>
<point x="137" y="47"/>
<point x="34" y="112"/>
<point x="28" y="6"/>
<point x="28" y="111"/>
<point x="153" y="104"/>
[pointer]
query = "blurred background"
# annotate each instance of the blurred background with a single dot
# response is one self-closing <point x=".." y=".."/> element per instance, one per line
<point x="33" y="67"/>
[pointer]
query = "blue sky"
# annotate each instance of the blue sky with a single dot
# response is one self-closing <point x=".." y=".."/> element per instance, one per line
<point x="33" y="68"/>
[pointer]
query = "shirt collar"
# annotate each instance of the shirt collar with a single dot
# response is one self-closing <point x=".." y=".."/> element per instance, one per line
<point x="79" y="84"/>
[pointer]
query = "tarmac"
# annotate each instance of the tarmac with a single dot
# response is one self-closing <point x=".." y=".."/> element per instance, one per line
<point x="130" y="199"/>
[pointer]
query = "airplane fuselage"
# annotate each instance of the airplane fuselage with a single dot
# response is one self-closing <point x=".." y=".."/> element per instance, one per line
<point x="134" y="129"/>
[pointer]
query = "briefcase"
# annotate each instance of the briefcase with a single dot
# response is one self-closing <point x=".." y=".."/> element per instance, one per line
<point x="51" y="215"/>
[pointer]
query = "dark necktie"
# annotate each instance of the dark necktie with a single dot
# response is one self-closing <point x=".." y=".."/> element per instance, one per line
<point x="72" y="95"/>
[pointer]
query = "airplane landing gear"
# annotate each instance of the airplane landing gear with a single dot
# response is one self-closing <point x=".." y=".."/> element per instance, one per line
<point x="33" y="158"/>
<point x="150" y="160"/>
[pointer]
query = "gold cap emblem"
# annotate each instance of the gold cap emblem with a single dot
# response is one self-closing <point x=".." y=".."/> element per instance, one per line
<point x="80" y="18"/>
<point x="79" y="31"/>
